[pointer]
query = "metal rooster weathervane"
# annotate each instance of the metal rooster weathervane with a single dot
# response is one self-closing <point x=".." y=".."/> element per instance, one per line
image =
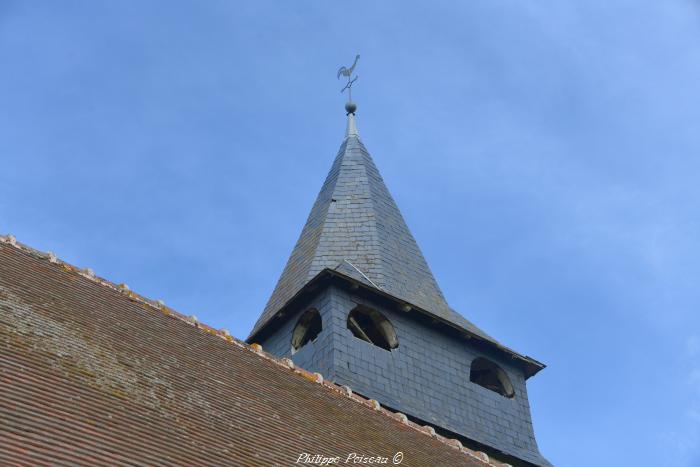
<point x="347" y="72"/>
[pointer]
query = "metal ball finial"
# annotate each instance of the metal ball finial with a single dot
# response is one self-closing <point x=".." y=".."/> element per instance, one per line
<point x="350" y="107"/>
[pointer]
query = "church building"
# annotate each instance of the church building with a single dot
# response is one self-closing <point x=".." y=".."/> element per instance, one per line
<point x="357" y="358"/>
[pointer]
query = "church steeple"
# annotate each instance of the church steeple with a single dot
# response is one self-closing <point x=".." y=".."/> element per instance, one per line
<point x="355" y="226"/>
<point x="358" y="303"/>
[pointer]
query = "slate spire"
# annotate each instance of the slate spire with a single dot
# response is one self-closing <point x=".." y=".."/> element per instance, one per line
<point x="355" y="227"/>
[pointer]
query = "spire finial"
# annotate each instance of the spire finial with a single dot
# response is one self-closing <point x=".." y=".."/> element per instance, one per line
<point x="350" y="106"/>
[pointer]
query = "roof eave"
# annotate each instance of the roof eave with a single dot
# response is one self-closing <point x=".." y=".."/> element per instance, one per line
<point x="530" y="366"/>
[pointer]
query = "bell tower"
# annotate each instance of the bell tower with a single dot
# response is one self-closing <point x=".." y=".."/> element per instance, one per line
<point x="358" y="303"/>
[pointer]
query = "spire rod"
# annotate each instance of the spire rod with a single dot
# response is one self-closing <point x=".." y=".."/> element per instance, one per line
<point x="351" y="129"/>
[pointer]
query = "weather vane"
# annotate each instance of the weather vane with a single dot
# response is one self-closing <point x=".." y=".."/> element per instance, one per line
<point x="347" y="72"/>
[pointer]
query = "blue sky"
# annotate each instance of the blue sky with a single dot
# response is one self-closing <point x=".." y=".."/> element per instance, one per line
<point x="545" y="155"/>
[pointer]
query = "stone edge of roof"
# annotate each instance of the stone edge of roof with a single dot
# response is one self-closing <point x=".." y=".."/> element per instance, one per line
<point x="284" y="363"/>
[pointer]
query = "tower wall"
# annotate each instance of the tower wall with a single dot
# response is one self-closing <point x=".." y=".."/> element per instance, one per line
<point x="426" y="377"/>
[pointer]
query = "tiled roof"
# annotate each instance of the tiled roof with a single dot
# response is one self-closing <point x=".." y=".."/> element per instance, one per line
<point x="94" y="374"/>
<point x="356" y="223"/>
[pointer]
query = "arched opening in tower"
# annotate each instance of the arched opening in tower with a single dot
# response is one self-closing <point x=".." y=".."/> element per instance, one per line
<point x="371" y="326"/>
<point x="487" y="374"/>
<point x="307" y="329"/>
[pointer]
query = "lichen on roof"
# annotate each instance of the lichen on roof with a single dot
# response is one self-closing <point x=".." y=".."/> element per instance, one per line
<point x="100" y="356"/>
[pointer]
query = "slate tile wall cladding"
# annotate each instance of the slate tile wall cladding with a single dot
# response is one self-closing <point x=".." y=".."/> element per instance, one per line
<point x="427" y="376"/>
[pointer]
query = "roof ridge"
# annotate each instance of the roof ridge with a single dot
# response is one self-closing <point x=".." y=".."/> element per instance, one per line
<point x="159" y="306"/>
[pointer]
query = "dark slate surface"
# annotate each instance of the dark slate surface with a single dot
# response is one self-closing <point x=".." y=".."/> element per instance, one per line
<point x="426" y="377"/>
<point x="356" y="225"/>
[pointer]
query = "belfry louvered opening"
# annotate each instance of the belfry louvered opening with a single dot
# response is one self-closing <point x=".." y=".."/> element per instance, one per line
<point x="487" y="374"/>
<point x="371" y="326"/>
<point x="307" y="329"/>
